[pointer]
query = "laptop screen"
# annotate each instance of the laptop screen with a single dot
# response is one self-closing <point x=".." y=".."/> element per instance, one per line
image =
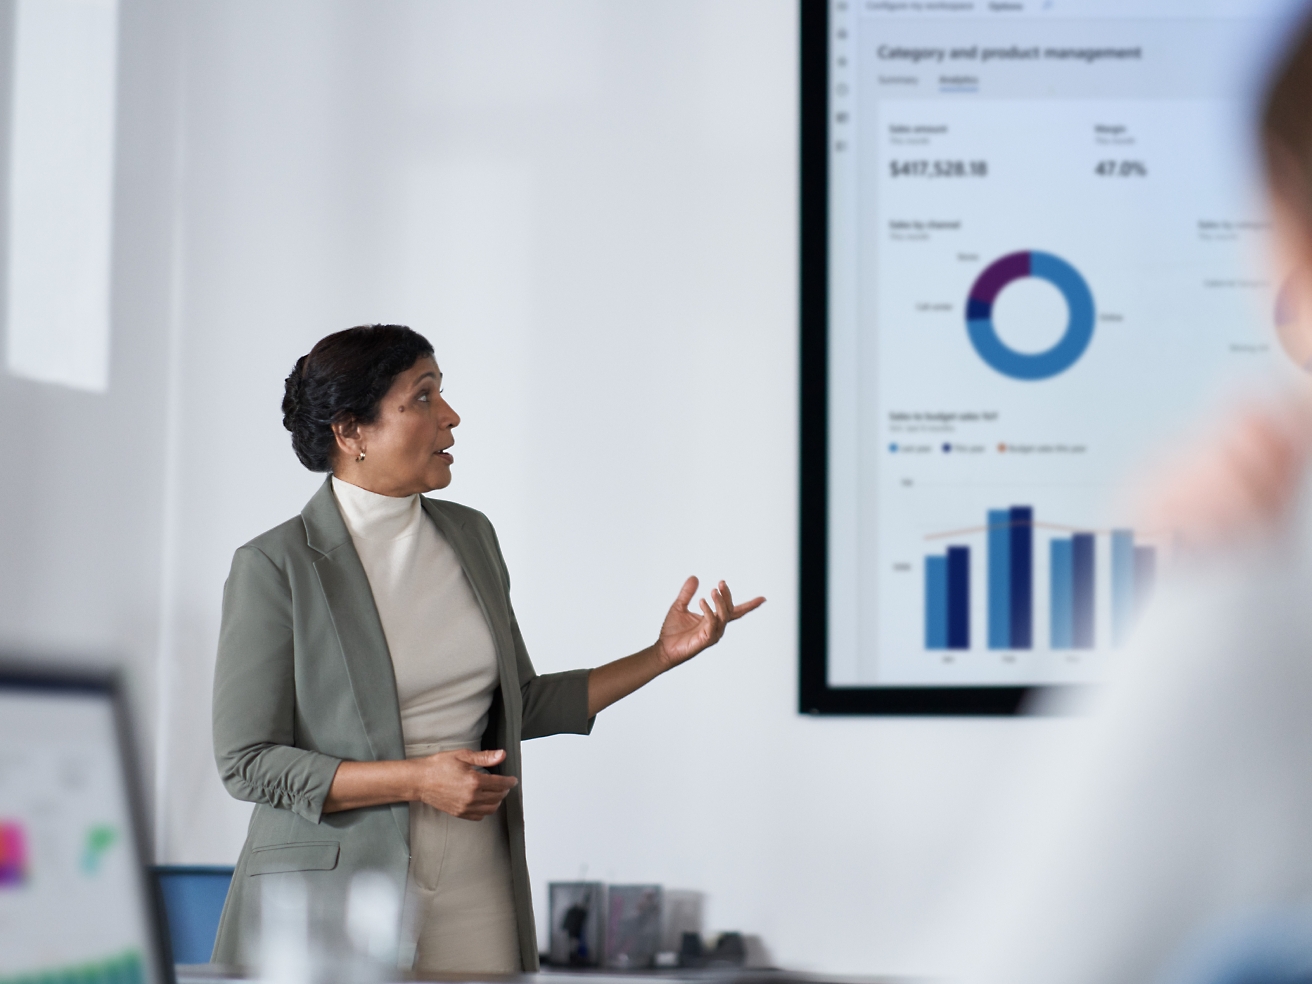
<point x="73" y="902"/>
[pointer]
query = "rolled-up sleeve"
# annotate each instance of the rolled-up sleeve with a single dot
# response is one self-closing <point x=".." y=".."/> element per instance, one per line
<point x="555" y="703"/>
<point x="255" y="695"/>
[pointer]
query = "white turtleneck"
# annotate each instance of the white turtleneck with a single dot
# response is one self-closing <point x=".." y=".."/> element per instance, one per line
<point x="442" y="650"/>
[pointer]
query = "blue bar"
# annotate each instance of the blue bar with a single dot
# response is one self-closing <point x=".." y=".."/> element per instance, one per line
<point x="936" y="603"/>
<point x="1122" y="585"/>
<point x="1022" y="577"/>
<point x="1060" y="581"/>
<point x="1145" y="577"/>
<point x="999" y="579"/>
<point x="1082" y="596"/>
<point x="958" y="597"/>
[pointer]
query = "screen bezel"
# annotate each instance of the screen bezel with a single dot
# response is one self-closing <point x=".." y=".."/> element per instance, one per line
<point x="815" y="695"/>
<point x="16" y="674"/>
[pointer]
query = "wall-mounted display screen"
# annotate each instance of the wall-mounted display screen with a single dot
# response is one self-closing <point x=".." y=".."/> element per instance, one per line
<point x="1032" y="252"/>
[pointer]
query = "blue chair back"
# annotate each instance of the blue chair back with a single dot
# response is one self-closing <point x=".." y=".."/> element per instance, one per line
<point x="193" y="898"/>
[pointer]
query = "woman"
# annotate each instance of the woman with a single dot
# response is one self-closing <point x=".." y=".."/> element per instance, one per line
<point x="372" y="685"/>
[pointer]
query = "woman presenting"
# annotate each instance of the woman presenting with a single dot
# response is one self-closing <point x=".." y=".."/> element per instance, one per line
<point x="372" y="686"/>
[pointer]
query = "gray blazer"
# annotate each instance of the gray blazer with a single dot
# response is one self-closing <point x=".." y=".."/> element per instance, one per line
<point x="304" y="680"/>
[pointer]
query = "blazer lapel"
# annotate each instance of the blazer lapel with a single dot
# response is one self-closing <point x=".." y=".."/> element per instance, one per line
<point x="476" y="561"/>
<point x="355" y="619"/>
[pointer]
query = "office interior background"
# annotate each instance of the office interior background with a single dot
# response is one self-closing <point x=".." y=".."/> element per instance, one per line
<point x="590" y="208"/>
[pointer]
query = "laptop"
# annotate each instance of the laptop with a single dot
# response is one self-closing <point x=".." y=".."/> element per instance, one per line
<point x="76" y="905"/>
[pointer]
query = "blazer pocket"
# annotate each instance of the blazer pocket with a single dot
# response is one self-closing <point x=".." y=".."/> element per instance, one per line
<point x="305" y="856"/>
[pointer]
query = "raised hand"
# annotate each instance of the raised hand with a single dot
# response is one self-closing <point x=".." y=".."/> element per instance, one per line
<point x="684" y="633"/>
<point x="1237" y="483"/>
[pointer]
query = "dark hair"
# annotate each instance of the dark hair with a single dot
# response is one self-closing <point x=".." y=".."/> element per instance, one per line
<point x="1287" y="125"/>
<point x="344" y="377"/>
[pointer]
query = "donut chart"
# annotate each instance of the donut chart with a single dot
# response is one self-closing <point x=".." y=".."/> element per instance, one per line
<point x="1030" y="365"/>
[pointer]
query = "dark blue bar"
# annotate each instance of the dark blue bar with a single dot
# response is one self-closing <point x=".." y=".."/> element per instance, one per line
<point x="1082" y="608"/>
<point x="1022" y="577"/>
<point x="958" y="597"/>
<point x="977" y="310"/>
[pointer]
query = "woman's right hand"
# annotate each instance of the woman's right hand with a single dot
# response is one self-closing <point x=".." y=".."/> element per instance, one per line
<point x="1238" y="483"/>
<point x="457" y="782"/>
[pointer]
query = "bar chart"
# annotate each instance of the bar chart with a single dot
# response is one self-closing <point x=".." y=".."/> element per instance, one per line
<point x="1073" y="572"/>
<point x="947" y="600"/>
<point x="1011" y="574"/>
<point x="1071" y="592"/>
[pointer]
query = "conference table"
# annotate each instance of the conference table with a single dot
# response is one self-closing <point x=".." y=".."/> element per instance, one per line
<point x="215" y="974"/>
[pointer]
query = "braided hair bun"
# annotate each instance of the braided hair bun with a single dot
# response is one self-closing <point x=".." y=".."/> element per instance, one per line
<point x="344" y="377"/>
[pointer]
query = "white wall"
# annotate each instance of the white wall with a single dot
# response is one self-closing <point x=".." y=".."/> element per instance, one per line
<point x="80" y="500"/>
<point x="590" y="208"/>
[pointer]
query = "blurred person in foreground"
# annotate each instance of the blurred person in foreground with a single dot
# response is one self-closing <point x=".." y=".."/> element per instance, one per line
<point x="1183" y="809"/>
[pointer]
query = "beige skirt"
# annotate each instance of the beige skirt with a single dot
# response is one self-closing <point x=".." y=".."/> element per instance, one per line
<point x="459" y="888"/>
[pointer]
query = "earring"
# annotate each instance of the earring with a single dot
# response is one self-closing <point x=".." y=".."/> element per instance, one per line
<point x="361" y="458"/>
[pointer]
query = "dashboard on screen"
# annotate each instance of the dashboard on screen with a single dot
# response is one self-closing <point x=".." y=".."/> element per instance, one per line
<point x="1032" y="253"/>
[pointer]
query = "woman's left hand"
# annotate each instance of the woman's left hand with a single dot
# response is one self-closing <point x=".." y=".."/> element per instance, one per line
<point x="684" y="633"/>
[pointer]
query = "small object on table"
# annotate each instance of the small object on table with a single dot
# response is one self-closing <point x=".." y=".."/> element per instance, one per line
<point x="578" y="913"/>
<point x="633" y="926"/>
<point x="691" y="951"/>
<point x="730" y="951"/>
<point x="683" y="910"/>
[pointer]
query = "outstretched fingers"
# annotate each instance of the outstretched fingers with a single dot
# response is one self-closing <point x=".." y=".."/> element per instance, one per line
<point x="724" y="601"/>
<point x="685" y="595"/>
<point x="714" y="624"/>
<point x="732" y="611"/>
<point x="747" y="606"/>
